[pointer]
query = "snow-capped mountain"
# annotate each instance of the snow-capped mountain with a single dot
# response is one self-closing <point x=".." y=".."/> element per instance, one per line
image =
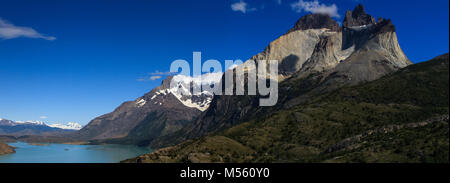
<point x="30" y="122"/>
<point x="163" y="110"/>
<point x="188" y="90"/>
<point x="68" y="126"/>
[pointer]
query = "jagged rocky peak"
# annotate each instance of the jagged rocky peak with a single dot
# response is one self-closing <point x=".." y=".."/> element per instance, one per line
<point x="316" y="21"/>
<point x="380" y="19"/>
<point x="384" y="25"/>
<point x="357" y="17"/>
<point x="165" y="84"/>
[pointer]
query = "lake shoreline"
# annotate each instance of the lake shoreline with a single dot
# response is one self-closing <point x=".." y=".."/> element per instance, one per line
<point x="71" y="153"/>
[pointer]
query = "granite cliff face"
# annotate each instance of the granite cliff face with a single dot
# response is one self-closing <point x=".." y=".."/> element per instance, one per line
<point x="294" y="49"/>
<point x="377" y="53"/>
<point x="316" y="53"/>
<point x="317" y="43"/>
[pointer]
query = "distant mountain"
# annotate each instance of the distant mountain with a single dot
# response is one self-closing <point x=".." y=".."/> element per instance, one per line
<point x="5" y="122"/>
<point x="315" y="57"/>
<point x="400" y="117"/>
<point x="162" y="111"/>
<point x="68" y="126"/>
<point x="24" y="128"/>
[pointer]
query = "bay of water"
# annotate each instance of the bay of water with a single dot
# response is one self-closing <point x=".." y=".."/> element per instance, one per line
<point x="65" y="153"/>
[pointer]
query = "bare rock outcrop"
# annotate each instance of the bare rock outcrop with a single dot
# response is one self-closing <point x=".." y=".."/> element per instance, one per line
<point x="6" y="149"/>
<point x="357" y="17"/>
<point x="316" y="21"/>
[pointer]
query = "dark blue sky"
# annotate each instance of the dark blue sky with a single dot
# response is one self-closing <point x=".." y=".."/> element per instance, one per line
<point x="102" y="48"/>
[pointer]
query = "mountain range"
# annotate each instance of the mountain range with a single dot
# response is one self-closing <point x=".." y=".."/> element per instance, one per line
<point x="347" y="93"/>
<point x="23" y="128"/>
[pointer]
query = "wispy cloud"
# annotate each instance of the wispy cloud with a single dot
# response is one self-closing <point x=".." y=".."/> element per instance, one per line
<point x="148" y="78"/>
<point x="155" y="75"/>
<point x="43" y="117"/>
<point x="315" y="7"/>
<point x="10" y="31"/>
<point x="242" y="7"/>
<point x="141" y="79"/>
<point x="161" y="73"/>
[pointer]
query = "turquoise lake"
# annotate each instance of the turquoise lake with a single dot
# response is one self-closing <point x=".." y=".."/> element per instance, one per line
<point x="65" y="153"/>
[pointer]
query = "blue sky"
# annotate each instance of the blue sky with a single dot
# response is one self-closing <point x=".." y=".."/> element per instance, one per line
<point x="73" y="60"/>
